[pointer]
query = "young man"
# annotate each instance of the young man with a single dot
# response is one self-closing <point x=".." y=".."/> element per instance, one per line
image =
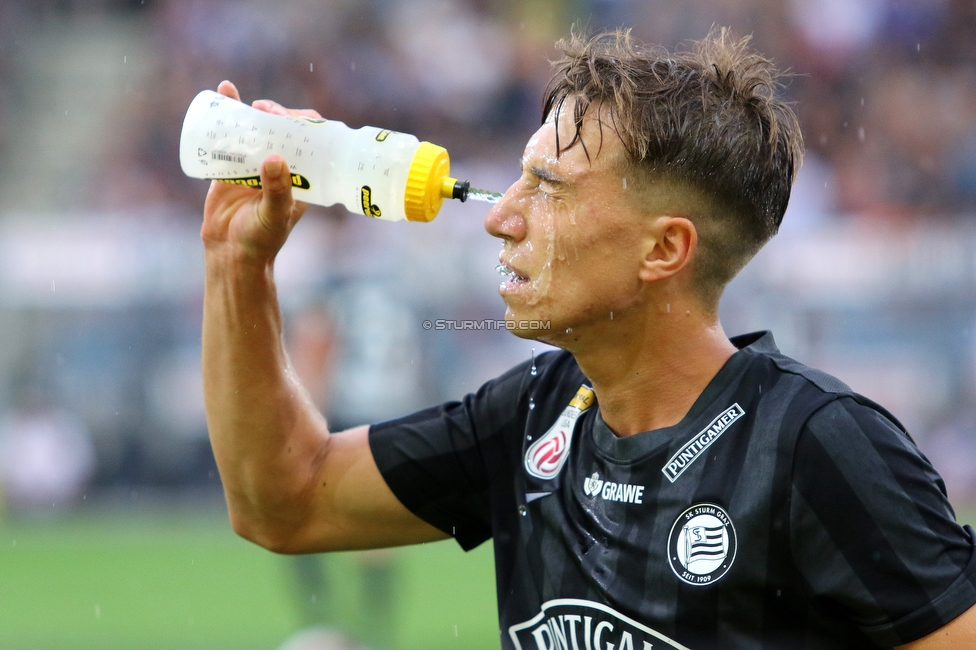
<point x="653" y="485"/>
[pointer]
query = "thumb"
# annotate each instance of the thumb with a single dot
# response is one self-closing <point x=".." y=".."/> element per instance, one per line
<point x="277" y="205"/>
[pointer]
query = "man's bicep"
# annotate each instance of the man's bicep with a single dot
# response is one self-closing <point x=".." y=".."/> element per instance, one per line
<point x="958" y="633"/>
<point x="354" y="507"/>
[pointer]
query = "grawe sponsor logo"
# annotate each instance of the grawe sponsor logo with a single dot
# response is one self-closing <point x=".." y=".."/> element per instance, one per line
<point x="610" y="491"/>
<point x="547" y="455"/>
<point x="575" y="624"/>
<point x="694" y="448"/>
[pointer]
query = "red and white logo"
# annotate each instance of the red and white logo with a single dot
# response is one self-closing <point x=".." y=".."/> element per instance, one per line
<point x="547" y="455"/>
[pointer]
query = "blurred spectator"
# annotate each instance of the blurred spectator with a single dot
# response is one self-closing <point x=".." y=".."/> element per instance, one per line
<point x="46" y="453"/>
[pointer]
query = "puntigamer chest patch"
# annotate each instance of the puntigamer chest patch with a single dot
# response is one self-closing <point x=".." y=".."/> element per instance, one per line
<point x="695" y="447"/>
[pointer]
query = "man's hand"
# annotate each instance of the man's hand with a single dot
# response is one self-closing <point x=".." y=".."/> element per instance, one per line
<point x="254" y="223"/>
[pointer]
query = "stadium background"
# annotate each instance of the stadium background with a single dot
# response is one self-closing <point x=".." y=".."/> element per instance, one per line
<point x="112" y="531"/>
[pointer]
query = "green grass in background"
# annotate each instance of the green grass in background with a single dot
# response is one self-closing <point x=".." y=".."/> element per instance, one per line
<point x="118" y="581"/>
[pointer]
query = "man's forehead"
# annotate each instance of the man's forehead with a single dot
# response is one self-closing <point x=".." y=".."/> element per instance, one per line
<point x="597" y="143"/>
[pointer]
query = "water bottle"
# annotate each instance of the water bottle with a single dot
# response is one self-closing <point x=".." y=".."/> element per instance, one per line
<point x="381" y="173"/>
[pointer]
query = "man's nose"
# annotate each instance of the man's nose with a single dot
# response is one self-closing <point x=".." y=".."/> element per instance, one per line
<point x="505" y="219"/>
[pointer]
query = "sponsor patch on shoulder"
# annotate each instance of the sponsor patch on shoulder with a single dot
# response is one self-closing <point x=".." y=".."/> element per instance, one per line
<point x="547" y="455"/>
<point x="572" y="623"/>
<point x="695" y="447"/>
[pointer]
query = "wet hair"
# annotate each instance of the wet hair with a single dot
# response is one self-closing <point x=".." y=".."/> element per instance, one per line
<point x="708" y="119"/>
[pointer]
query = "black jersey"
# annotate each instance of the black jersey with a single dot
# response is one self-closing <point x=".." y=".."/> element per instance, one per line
<point x="783" y="511"/>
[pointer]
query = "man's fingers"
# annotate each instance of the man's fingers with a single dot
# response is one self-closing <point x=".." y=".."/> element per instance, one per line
<point x="228" y="89"/>
<point x="271" y="106"/>
<point x="275" y="209"/>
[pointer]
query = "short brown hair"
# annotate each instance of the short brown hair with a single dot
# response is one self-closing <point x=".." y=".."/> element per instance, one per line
<point x="709" y="119"/>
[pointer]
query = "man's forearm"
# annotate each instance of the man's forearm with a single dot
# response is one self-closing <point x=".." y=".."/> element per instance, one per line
<point x="267" y="435"/>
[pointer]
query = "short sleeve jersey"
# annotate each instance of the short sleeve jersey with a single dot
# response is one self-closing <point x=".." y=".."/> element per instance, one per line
<point x="783" y="511"/>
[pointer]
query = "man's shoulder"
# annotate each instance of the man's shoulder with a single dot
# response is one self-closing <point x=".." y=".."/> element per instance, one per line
<point x="823" y="390"/>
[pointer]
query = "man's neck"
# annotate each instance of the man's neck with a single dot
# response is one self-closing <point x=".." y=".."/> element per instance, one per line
<point x="648" y="376"/>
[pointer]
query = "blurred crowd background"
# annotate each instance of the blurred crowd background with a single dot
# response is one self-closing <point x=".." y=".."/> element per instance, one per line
<point x="872" y="278"/>
<point x="100" y="278"/>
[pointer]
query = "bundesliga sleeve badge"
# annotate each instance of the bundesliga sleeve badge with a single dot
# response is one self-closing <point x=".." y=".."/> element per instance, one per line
<point x="701" y="547"/>
<point x="548" y="454"/>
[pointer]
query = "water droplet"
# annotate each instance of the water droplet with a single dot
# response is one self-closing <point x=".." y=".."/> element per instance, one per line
<point x="526" y="437"/>
<point x="625" y="182"/>
<point x="311" y="67"/>
<point x="611" y="315"/>
<point x="531" y="404"/>
<point x="522" y="510"/>
<point x="860" y="133"/>
<point x="569" y="330"/>
<point x="534" y="371"/>
<point x="669" y="307"/>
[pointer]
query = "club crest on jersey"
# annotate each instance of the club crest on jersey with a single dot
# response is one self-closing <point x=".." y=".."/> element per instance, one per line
<point x="547" y="455"/>
<point x="702" y="544"/>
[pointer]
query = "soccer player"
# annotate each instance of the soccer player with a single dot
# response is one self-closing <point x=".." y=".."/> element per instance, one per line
<point x="654" y="484"/>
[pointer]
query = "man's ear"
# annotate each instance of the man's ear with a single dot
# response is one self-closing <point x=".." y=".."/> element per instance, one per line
<point x="671" y="242"/>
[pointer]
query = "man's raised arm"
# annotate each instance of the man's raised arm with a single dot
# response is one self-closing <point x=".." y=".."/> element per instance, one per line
<point x="291" y="486"/>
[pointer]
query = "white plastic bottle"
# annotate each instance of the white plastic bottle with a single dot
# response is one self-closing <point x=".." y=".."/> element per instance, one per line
<point x="381" y="173"/>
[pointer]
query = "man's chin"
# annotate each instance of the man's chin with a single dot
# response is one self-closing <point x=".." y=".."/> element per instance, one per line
<point x="530" y="328"/>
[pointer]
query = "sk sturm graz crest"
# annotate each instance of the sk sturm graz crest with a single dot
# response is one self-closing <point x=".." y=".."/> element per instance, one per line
<point x="701" y="547"/>
<point x="547" y="455"/>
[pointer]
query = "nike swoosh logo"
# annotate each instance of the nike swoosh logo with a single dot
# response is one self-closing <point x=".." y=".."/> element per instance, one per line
<point x="535" y="496"/>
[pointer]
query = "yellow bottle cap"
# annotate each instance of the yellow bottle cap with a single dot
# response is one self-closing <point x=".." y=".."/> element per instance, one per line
<point x="428" y="183"/>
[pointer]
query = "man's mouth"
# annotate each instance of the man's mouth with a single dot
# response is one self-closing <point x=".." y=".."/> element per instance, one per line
<point x="512" y="277"/>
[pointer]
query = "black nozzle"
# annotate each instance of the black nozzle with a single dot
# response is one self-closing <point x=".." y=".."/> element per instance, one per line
<point x="461" y="190"/>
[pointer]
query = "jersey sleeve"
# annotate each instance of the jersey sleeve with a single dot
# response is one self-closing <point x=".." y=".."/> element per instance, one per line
<point x="438" y="461"/>
<point x="872" y="531"/>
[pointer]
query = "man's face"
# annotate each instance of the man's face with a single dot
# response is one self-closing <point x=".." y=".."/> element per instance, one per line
<point x="572" y="233"/>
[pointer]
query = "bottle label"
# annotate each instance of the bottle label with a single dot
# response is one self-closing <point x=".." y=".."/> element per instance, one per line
<point x="369" y="208"/>
<point x="297" y="180"/>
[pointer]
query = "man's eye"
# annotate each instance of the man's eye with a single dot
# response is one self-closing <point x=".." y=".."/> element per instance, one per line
<point x="548" y="190"/>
